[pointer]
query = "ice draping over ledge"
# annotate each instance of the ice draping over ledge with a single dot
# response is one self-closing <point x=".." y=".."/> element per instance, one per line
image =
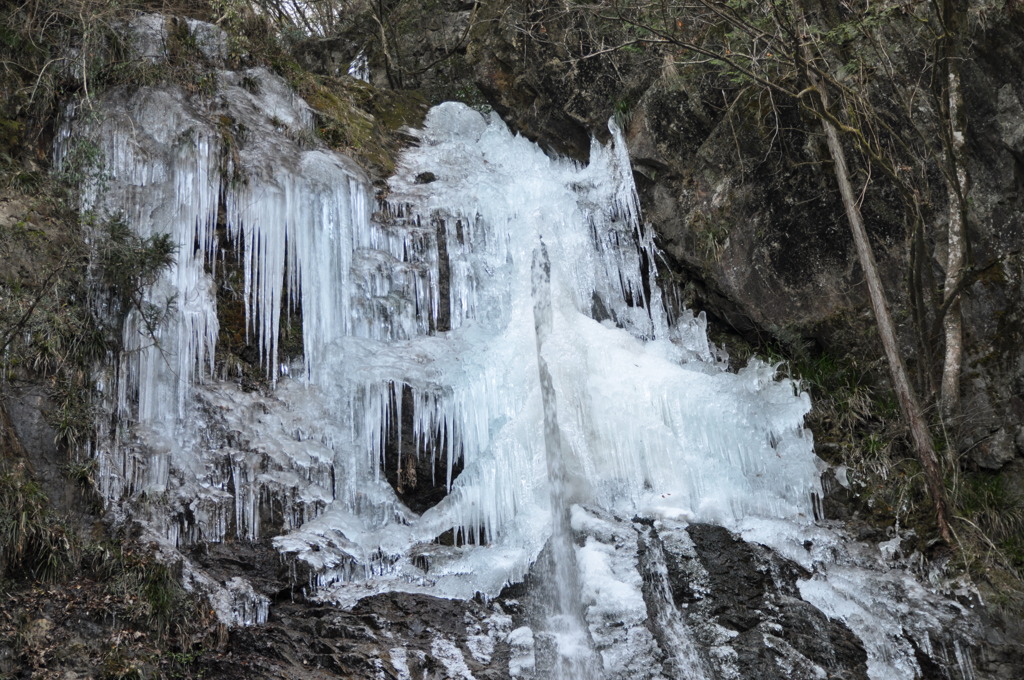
<point x="650" y="420"/>
<point x="429" y="294"/>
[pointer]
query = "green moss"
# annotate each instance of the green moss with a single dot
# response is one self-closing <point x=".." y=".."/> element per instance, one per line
<point x="710" y="234"/>
<point x="395" y="110"/>
<point x="11" y="132"/>
<point x="358" y="119"/>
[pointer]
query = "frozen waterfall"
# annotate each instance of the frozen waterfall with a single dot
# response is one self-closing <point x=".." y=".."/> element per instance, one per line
<point x="649" y="419"/>
<point x="425" y="300"/>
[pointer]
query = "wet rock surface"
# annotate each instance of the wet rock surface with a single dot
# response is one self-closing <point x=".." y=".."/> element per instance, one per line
<point x="747" y="589"/>
<point x="386" y="636"/>
<point x="399" y="635"/>
<point x="661" y="598"/>
<point x="739" y="602"/>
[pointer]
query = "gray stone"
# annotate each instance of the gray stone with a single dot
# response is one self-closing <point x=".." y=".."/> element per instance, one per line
<point x="996" y="451"/>
<point x="1010" y="118"/>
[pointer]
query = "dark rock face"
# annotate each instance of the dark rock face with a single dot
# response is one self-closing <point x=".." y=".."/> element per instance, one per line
<point x="733" y="575"/>
<point x="531" y="62"/>
<point x="385" y="636"/>
<point x="416" y="468"/>
<point x="747" y="589"/>
<point x="717" y="582"/>
<point x="27" y="437"/>
<point x="26" y="429"/>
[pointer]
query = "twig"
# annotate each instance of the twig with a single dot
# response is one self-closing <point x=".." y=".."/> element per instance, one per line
<point x="35" y="303"/>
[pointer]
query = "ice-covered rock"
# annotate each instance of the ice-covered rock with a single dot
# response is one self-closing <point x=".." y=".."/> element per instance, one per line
<point x="429" y="303"/>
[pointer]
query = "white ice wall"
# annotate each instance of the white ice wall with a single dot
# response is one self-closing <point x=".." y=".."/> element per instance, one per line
<point x="650" y="420"/>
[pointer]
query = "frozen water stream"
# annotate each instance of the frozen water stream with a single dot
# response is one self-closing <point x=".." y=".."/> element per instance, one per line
<point x="436" y="294"/>
<point x="649" y="420"/>
<point x="574" y="655"/>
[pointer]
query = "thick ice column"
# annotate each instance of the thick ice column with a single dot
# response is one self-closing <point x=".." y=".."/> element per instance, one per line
<point x="575" y="656"/>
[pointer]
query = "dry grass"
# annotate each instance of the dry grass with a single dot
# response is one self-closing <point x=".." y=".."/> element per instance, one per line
<point x="34" y="542"/>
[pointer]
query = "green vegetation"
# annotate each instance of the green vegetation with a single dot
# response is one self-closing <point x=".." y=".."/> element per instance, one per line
<point x="148" y="592"/>
<point x="129" y="265"/>
<point x="142" y="624"/>
<point x="990" y="516"/>
<point x="33" y="539"/>
<point x="52" y="334"/>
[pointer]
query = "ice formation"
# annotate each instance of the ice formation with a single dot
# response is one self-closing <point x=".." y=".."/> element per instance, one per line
<point x="431" y="292"/>
<point x="645" y="423"/>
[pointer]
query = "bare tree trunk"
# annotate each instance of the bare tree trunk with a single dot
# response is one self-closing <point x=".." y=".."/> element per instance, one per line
<point x="951" y="103"/>
<point x="953" y="322"/>
<point x="391" y="65"/>
<point x="909" y="406"/>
